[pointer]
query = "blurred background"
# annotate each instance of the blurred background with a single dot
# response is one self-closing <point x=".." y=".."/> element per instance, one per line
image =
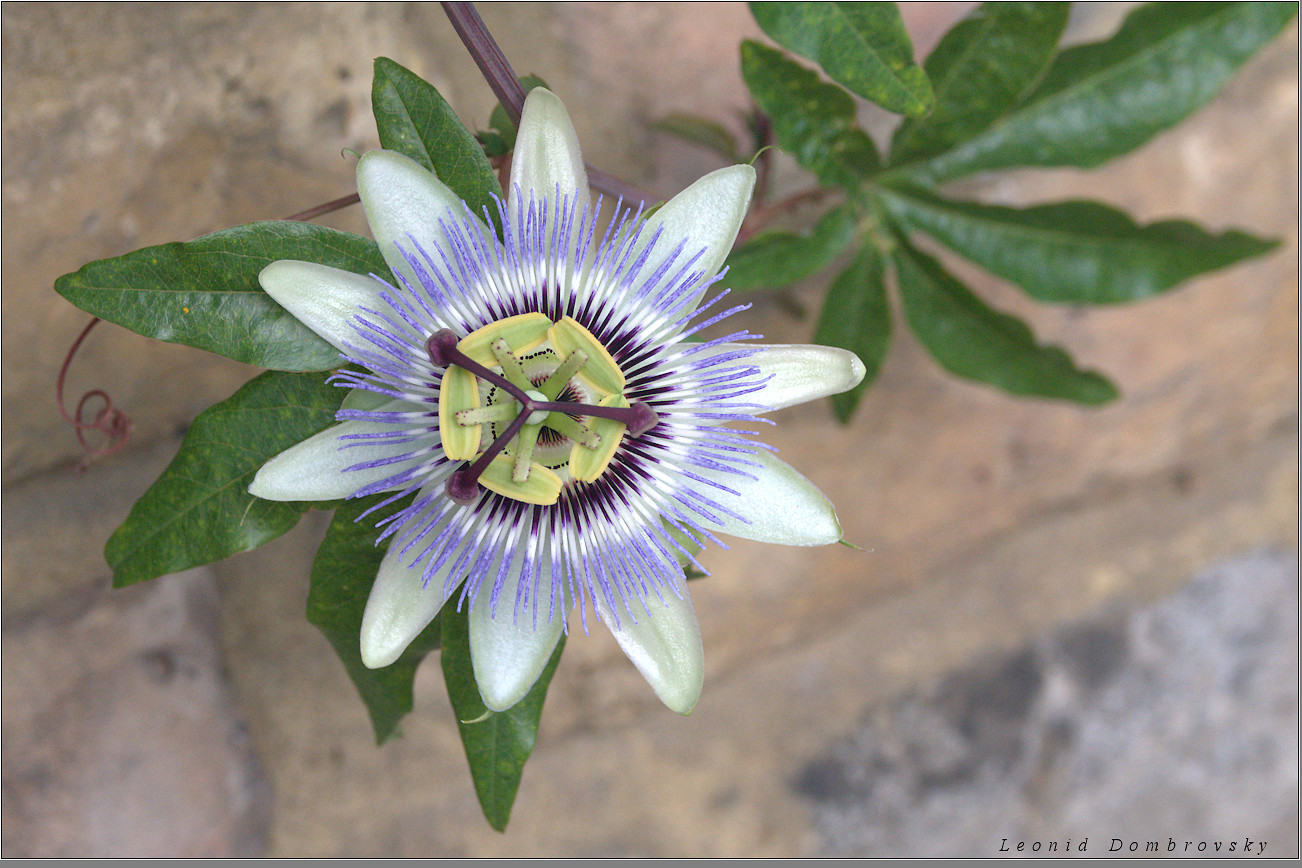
<point x="1066" y="623"/>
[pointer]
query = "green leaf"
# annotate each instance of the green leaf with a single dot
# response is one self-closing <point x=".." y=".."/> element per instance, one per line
<point x="857" y="317"/>
<point x="700" y="131"/>
<point x="773" y="260"/>
<point x="200" y="509"/>
<point x="342" y="575"/>
<point x="493" y="143"/>
<point x="414" y="119"/>
<point x="1073" y="252"/>
<point x="814" y="121"/>
<point x="1101" y="100"/>
<point x="205" y="293"/>
<point x="979" y="70"/>
<point x="862" y="46"/>
<point x="497" y="743"/>
<point x="973" y="341"/>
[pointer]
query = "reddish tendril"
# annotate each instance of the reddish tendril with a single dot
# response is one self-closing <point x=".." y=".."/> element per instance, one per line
<point x="462" y="486"/>
<point x="115" y="424"/>
<point x="112" y="422"/>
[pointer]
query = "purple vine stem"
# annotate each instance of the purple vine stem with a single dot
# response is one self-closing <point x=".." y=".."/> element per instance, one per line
<point x="505" y="85"/>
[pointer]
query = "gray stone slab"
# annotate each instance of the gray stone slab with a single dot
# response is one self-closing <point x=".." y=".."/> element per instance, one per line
<point x="1173" y="729"/>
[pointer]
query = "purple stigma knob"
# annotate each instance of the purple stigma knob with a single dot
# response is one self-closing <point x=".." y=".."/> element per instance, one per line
<point x="440" y="346"/>
<point x="641" y="419"/>
<point x="462" y="488"/>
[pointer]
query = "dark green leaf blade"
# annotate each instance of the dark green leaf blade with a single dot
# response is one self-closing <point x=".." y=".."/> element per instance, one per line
<point x="814" y="121"/>
<point x="973" y="341"/>
<point x="857" y="317"/>
<point x="1102" y="100"/>
<point x="413" y="119"/>
<point x="205" y="293"/>
<point x="862" y="46"/>
<point x="1073" y="252"/>
<point x="200" y="509"/>
<point x="700" y="131"/>
<point x="981" y="67"/>
<point x="342" y="575"/>
<point x="774" y="260"/>
<point x="497" y="743"/>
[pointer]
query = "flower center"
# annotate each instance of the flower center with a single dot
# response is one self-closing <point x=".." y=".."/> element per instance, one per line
<point x="528" y="372"/>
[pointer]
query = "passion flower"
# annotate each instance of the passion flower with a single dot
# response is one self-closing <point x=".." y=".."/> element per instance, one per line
<point x="538" y="404"/>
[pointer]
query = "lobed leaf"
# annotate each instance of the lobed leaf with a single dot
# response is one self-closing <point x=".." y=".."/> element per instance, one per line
<point x="342" y="575"/>
<point x="857" y="317"/>
<point x="1073" y="252"/>
<point x="971" y="340"/>
<point x="1101" y="100"/>
<point x="863" y="46"/>
<point x="414" y="119"/>
<point x="773" y="260"/>
<point x="497" y="743"/>
<point x="814" y="121"/>
<point x="204" y="293"/>
<point x="980" y="68"/>
<point x="200" y="509"/>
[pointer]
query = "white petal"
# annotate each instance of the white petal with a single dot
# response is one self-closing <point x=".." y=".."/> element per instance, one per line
<point x="399" y="607"/>
<point x="402" y="199"/>
<point x="324" y="299"/>
<point x="507" y="652"/>
<point x="799" y="373"/>
<point x="707" y="215"/>
<point x="316" y="468"/>
<point x="364" y="399"/>
<point x="781" y="505"/>
<point x="547" y="152"/>
<point x="665" y="646"/>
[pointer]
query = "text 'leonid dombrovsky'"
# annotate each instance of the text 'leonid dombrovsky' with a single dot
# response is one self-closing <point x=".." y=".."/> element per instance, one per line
<point x="1122" y="845"/>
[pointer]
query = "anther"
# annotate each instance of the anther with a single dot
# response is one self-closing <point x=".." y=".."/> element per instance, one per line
<point x="463" y="485"/>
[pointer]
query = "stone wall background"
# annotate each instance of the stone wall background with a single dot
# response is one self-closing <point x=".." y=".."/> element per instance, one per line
<point x="201" y="715"/>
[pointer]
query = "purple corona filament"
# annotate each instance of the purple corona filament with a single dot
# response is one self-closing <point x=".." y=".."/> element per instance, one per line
<point x="462" y="486"/>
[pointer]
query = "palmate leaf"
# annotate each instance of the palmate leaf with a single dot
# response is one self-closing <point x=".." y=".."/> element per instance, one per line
<point x="857" y="316"/>
<point x="981" y="67"/>
<point x="773" y="260"/>
<point x="200" y="510"/>
<point x="814" y="121"/>
<point x="205" y="293"/>
<point x="863" y="46"/>
<point x="497" y="743"/>
<point x="342" y="575"/>
<point x="414" y="119"/>
<point x="1073" y="252"/>
<point x="1101" y="100"/>
<point x="971" y="340"/>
